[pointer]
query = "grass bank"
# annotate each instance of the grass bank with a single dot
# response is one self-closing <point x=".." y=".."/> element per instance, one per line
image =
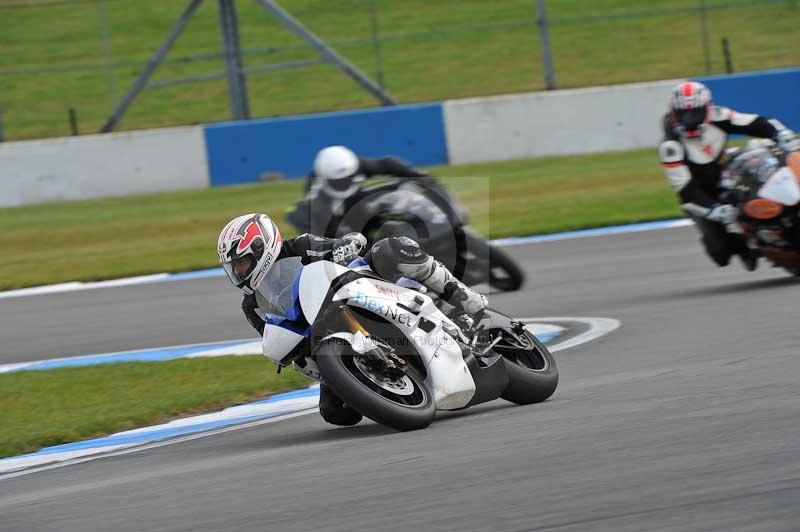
<point x="44" y="408"/>
<point x="86" y="54"/>
<point x="109" y="238"/>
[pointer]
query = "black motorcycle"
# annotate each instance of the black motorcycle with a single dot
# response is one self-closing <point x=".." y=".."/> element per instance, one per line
<point x="420" y="209"/>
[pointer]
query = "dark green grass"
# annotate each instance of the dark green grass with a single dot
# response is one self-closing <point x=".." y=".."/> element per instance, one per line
<point x="43" y="408"/>
<point x="108" y="238"/>
<point x="425" y="54"/>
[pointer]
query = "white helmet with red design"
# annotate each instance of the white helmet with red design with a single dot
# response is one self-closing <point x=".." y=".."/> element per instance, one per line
<point x="690" y="108"/>
<point x="248" y="247"/>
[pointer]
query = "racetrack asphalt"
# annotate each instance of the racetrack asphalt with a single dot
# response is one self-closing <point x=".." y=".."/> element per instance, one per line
<point x="687" y="418"/>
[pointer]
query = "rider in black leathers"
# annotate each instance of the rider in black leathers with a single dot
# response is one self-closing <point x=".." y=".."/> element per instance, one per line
<point x="333" y="183"/>
<point x="693" y="155"/>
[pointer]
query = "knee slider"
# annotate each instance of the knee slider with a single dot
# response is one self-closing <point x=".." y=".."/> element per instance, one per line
<point x="408" y="250"/>
<point x="393" y="256"/>
<point x="339" y="415"/>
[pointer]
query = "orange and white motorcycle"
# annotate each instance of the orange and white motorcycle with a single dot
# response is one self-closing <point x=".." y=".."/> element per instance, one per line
<point x="764" y="184"/>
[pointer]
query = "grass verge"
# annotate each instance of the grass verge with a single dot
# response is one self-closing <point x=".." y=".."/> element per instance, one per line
<point x="118" y="237"/>
<point x="44" y="408"/>
<point x="85" y="55"/>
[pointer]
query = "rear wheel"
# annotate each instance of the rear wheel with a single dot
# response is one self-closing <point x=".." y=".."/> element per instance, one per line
<point x="504" y="274"/>
<point x="398" y="400"/>
<point x="532" y="371"/>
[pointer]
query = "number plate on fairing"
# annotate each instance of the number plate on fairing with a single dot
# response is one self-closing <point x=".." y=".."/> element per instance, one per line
<point x="762" y="209"/>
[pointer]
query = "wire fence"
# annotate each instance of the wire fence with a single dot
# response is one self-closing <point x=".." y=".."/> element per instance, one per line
<point x="64" y="64"/>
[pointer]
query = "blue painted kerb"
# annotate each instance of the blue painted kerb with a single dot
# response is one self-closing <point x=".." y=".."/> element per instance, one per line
<point x="242" y="152"/>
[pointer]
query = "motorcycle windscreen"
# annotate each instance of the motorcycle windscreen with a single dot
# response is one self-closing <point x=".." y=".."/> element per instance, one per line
<point x="781" y="187"/>
<point x="277" y="293"/>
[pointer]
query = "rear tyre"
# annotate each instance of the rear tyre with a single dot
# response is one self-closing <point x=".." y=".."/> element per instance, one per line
<point x="400" y="403"/>
<point x="532" y="372"/>
<point x="504" y="274"/>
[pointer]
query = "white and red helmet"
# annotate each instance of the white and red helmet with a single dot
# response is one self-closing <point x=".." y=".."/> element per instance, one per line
<point x="690" y="108"/>
<point x="248" y="247"/>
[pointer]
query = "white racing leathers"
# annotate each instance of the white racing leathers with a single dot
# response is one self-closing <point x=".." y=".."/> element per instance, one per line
<point x="693" y="167"/>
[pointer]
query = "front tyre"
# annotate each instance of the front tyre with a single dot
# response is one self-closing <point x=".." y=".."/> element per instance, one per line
<point x="403" y="403"/>
<point x="532" y="371"/>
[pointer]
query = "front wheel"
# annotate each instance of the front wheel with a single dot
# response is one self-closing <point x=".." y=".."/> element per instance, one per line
<point x="532" y="371"/>
<point x="400" y="402"/>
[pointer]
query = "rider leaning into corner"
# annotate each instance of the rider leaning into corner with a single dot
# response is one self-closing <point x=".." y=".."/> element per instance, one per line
<point x="249" y="245"/>
<point x="337" y="175"/>
<point x="693" y="155"/>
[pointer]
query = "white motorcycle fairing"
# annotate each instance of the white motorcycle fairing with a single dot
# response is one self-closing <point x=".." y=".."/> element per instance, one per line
<point x="315" y="281"/>
<point x="782" y="187"/>
<point x="448" y="377"/>
<point x="277" y="342"/>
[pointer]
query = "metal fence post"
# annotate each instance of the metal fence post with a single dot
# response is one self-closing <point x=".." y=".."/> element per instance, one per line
<point x="73" y="121"/>
<point x="544" y="36"/>
<point x="237" y="85"/>
<point x="726" y="51"/>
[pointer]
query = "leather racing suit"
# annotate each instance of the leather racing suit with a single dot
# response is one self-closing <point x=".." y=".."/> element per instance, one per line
<point x="693" y="167"/>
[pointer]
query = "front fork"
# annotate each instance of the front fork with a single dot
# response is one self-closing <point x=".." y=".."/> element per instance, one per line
<point x="383" y="355"/>
<point x="351" y="322"/>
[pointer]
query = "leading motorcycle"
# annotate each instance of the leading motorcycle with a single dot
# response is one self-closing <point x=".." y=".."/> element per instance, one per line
<point x="764" y="184"/>
<point x="391" y="351"/>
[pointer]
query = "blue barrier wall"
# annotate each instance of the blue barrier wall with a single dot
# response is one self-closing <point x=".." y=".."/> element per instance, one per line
<point x="240" y="152"/>
<point x="771" y="93"/>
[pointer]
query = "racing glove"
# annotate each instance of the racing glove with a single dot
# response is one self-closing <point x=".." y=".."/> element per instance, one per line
<point x="348" y="248"/>
<point x="249" y="307"/>
<point x="724" y="214"/>
<point x="787" y="140"/>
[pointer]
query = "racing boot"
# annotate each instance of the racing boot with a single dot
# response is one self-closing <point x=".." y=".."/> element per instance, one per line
<point x="442" y="282"/>
<point x="333" y="410"/>
<point x="750" y="259"/>
<point x="748" y="255"/>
